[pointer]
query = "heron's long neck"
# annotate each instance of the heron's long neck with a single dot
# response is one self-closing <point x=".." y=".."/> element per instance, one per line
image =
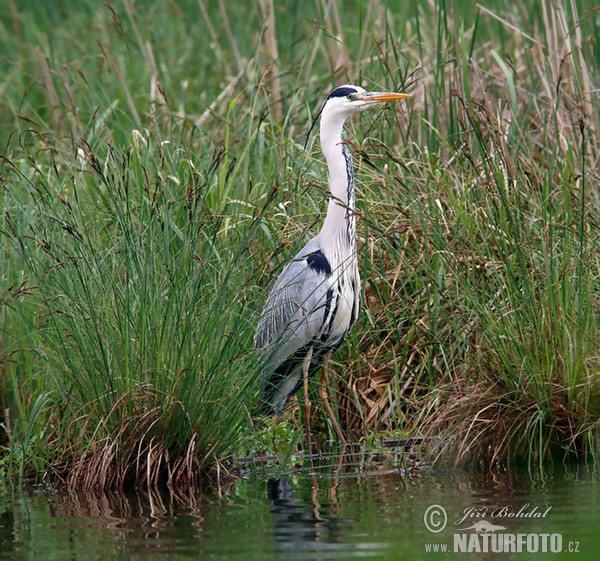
<point x="340" y="223"/>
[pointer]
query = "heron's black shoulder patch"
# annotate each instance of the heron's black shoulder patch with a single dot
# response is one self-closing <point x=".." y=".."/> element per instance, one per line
<point x="342" y="91"/>
<point x="317" y="261"/>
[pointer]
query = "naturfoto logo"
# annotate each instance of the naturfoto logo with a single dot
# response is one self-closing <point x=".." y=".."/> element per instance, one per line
<point x="483" y="530"/>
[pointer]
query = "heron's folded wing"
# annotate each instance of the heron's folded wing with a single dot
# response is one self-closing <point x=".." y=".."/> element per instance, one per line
<point x="295" y="309"/>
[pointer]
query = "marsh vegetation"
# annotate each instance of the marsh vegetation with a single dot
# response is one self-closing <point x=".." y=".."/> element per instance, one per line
<point x="154" y="180"/>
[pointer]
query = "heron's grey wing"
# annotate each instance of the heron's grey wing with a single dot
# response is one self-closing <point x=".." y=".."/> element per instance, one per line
<point x="297" y="308"/>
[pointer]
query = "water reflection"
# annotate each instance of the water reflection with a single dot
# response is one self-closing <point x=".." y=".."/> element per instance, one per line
<point x="338" y="512"/>
<point x="89" y="525"/>
<point x="305" y="528"/>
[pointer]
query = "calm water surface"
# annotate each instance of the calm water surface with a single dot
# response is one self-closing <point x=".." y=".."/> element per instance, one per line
<point x="335" y="512"/>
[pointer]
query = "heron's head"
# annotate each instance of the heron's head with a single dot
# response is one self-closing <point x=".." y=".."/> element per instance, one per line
<point x="348" y="99"/>
<point x="343" y="102"/>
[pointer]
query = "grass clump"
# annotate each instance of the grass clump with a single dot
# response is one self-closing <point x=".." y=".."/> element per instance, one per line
<point x="137" y="310"/>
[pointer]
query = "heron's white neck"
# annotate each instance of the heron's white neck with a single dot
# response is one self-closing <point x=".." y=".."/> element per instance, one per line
<point x="340" y="223"/>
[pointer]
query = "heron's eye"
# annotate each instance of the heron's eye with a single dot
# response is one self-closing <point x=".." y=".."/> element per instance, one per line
<point x="350" y="97"/>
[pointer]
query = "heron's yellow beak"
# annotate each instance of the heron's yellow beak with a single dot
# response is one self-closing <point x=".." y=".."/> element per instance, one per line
<point x="382" y="96"/>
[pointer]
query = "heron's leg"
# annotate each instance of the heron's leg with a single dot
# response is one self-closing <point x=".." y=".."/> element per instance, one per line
<point x="326" y="377"/>
<point x="305" y="368"/>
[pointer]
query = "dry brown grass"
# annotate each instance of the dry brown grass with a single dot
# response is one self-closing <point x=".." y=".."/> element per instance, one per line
<point x="131" y="454"/>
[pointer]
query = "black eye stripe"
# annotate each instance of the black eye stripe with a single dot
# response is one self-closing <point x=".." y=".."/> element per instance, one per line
<point x="342" y="91"/>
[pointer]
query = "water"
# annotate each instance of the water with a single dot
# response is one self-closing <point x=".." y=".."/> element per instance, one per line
<point x="336" y="512"/>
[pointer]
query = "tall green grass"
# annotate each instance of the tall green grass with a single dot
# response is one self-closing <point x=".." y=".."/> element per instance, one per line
<point x="154" y="182"/>
<point x="139" y="306"/>
<point x="484" y="290"/>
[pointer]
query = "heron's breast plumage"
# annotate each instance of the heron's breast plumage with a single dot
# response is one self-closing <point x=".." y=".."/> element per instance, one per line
<point x="345" y="294"/>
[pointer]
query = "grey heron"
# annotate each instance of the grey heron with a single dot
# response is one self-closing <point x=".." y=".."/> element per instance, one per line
<point x="315" y="300"/>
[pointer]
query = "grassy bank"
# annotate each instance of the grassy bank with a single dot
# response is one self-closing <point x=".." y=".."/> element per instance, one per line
<point x="154" y="182"/>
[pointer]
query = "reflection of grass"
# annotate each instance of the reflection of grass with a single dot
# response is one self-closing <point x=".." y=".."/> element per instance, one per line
<point x="154" y="178"/>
